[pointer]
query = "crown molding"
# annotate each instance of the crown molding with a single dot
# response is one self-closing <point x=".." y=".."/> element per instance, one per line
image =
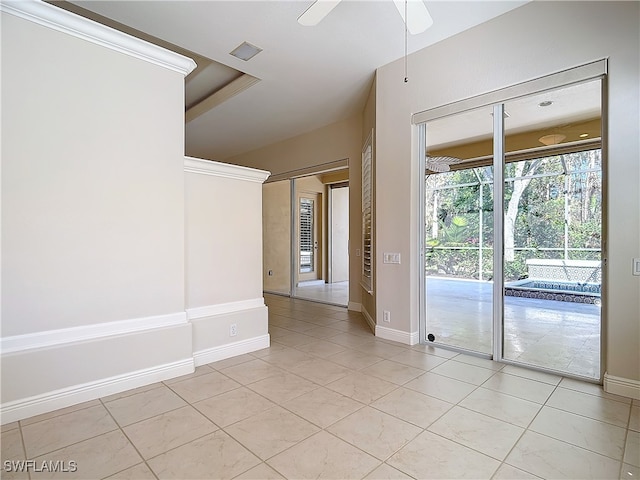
<point x="50" y="16"/>
<point x="225" y="170"/>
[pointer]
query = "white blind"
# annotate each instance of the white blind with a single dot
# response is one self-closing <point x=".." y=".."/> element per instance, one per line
<point x="306" y="235"/>
<point x="367" y="236"/>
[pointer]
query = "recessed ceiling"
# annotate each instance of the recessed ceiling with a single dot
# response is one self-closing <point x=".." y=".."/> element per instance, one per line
<point x="308" y="77"/>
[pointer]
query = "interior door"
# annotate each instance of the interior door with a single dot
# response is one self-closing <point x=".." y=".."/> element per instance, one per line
<point x="339" y="234"/>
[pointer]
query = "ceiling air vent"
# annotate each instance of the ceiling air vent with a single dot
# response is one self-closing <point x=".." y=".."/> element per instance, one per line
<point x="245" y="51"/>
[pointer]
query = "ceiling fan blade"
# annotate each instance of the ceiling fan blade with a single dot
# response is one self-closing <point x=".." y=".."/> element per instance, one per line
<point x="417" y="13"/>
<point x="316" y="12"/>
<point x="441" y="164"/>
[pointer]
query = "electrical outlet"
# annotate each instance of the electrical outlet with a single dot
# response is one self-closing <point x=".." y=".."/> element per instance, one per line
<point x="233" y="330"/>
<point x="386" y="316"/>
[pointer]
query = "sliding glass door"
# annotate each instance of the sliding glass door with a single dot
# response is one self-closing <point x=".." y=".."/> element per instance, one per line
<point x="459" y="233"/>
<point x="513" y="227"/>
<point x="553" y="232"/>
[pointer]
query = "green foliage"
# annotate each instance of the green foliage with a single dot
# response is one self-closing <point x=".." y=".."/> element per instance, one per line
<point x="457" y="217"/>
<point x="457" y="231"/>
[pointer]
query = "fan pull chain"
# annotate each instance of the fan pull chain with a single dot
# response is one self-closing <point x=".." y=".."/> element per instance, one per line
<point x="406" y="36"/>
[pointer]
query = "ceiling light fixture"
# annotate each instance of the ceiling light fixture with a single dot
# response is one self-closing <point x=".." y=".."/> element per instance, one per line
<point x="553" y="139"/>
<point x="245" y="51"/>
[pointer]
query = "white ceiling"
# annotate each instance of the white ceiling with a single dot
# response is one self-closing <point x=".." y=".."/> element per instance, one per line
<point x="309" y="76"/>
<point x="570" y="105"/>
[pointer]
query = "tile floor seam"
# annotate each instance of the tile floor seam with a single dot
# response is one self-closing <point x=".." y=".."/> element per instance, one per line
<point x="588" y="417"/>
<point x="353" y="445"/>
<point x="577" y="446"/>
<point x="490" y="416"/>
<point x="170" y="387"/>
<point x="513" y="466"/>
<point x="515" y="444"/>
<point x="624" y="449"/>
<point x="49" y="452"/>
<point x="56" y="416"/>
<point x="144" y="460"/>
<point x="510" y="395"/>
<point x="148" y="418"/>
<point x="468" y="447"/>
<point x="24" y="446"/>
<point x="265" y="460"/>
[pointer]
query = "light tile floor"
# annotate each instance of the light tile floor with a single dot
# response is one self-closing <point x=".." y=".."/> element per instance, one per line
<point x="329" y="400"/>
<point x="562" y="336"/>
<point x="331" y="293"/>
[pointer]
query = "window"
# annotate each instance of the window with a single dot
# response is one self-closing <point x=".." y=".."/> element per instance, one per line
<point x="306" y="235"/>
<point x="367" y="235"/>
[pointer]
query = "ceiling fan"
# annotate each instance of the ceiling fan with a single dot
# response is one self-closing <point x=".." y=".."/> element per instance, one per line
<point x="416" y="11"/>
<point x="441" y="164"/>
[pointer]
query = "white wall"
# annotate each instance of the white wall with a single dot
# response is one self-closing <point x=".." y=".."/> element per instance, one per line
<point x="223" y="231"/>
<point x="92" y="217"/>
<point x="537" y="39"/>
<point x="95" y="299"/>
<point x="339" y="234"/>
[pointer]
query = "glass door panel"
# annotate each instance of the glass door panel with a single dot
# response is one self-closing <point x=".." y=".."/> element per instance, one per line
<point x="459" y="231"/>
<point x="552" y="230"/>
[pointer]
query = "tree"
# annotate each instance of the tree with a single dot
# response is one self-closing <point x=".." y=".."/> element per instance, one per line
<point x="519" y="186"/>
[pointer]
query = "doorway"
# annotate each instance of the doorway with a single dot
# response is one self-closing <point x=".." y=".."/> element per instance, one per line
<point x="305" y="237"/>
<point x="513" y="229"/>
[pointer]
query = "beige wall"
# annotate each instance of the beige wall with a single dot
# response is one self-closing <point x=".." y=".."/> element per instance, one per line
<point x="91" y="187"/>
<point x="224" y="245"/>
<point x="276" y="228"/>
<point x="338" y="141"/>
<point x="95" y="238"/>
<point x="327" y="144"/>
<point x="555" y="36"/>
<point x="223" y="236"/>
<point x="92" y="214"/>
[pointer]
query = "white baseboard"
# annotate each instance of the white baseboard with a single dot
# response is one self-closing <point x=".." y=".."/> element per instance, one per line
<point x="229" y="350"/>
<point x="50" y="401"/>
<point x="224" y="308"/>
<point x="354" y="307"/>
<point x="622" y="386"/>
<point x="397" y="335"/>
<point x="50" y="338"/>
